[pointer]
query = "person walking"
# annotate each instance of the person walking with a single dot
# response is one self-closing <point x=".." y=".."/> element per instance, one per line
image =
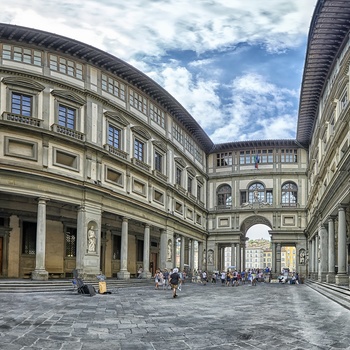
<point x="174" y="279"/>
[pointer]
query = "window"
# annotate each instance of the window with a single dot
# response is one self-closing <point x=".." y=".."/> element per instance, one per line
<point x="289" y="194"/>
<point x="344" y="100"/>
<point x="139" y="149"/>
<point x="29" y="238"/>
<point x="289" y="156"/>
<point x="178" y="173"/>
<point x="246" y="157"/>
<point x="71" y="242"/>
<point x="224" y="159"/>
<point x="199" y="192"/>
<point x="158" y="161"/>
<point x="138" y="101"/>
<point x="66" y="117"/>
<point x="224" y="197"/>
<point x="189" y="144"/>
<point x="198" y="154"/>
<point x="64" y="66"/>
<point x="256" y="193"/>
<point x="177" y="133"/>
<point x="265" y="156"/>
<point x="21" y="54"/>
<point x="189" y="184"/>
<point x="157" y="115"/>
<point x="243" y="197"/>
<point x="21" y="104"/>
<point x="113" y="87"/>
<point x="114" y="136"/>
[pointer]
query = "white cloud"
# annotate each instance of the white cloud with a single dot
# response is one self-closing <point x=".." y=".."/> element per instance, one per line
<point x="258" y="110"/>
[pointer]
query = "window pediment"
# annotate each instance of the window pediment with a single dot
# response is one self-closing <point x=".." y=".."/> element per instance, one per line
<point x="141" y="132"/>
<point x="117" y="116"/>
<point x="180" y="161"/>
<point x="23" y="83"/>
<point x="191" y="171"/>
<point x="160" y="145"/>
<point x="70" y="96"/>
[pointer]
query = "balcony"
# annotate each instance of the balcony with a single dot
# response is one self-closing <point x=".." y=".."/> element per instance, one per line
<point x="160" y="175"/>
<point x="115" y="151"/>
<point x="77" y="135"/>
<point x="141" y="164"/>
<point x="21" y="119"/>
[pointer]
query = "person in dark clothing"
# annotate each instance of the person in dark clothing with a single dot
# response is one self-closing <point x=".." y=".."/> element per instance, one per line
<point x="174" y="280"/>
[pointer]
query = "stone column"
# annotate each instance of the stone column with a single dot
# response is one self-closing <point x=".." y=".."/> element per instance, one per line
<point x="323" y="264"/>
<point x="233" y="255"/>
<point x="40" y="274"/>
<point x="311" y="257"/>
<point x="316" y="256"/>
<point x="192" y="256"/>
<point x="182" y="253"/>
<point x="200" y="255"/>
<point x="146" y="251"/>
<point x="330" y="278"/>
<point x="278" y="258"/>
<point x="243" y="258"/>
<point x="342" y="278"/>
<point x="238" y="254"/>
<point x="124" y="273"/>
<point x="274" y="267"/>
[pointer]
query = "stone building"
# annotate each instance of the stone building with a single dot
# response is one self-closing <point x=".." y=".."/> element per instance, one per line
<point x="102" y="170"/>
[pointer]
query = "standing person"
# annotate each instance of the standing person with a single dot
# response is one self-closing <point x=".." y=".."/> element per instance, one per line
<point x="166" y="279"/>
<point x="235" y="278"/>
<point x="139" y="272"/>
<point x="223" y="278"/>
<point x="157" y="279"/>
<point x="204" y="278"/>
<point x="174" y="279"/>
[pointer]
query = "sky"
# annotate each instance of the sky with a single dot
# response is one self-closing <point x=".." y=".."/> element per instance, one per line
<point x="236" y="66"/>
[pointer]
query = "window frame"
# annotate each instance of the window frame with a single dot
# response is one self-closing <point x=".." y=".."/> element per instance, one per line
<point x="137" y="154"/>
<point x="289" y="192"/>
<point x="224" y="196"/>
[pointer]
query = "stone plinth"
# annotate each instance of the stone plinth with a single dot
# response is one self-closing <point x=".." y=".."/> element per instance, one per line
<point x="123" y="275"/>
<point x="330" y="278"/>
<point x="40" y="275"/>
<point x="342" y="280"/>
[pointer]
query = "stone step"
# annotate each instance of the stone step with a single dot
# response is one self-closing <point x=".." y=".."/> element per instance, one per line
<point x="339" y="294"/>
<point x="62" y="286"/>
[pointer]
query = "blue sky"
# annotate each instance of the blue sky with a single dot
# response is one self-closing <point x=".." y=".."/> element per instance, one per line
<point x="236" y="68"/>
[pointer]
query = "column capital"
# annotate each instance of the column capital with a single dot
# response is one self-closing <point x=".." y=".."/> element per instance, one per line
<point x="43" y="199"/>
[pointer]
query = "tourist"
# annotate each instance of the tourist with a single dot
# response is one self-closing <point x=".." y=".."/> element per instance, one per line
<point x="174" y="279"/>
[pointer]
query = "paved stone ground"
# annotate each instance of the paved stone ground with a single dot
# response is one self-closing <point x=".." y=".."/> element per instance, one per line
<point x="268" y="316"/>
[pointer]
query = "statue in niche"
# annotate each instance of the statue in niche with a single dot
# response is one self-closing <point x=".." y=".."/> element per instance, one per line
<point x="169" y="250"/>
<point x="210" y="257"/>
<point x="302" y="256"/>
<point x="204" y="257"/>
<point x="91" y="239"/>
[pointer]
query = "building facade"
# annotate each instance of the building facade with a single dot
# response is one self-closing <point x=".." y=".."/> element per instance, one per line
<point x="101" y="170"/>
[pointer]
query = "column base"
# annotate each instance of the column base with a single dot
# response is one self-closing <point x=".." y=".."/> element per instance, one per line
<point x="342" y="279"/>
<point x="123" y="275"/>
<point x="146" y="275"/>
<point x="330" y="278"/>
<point x="322" y="276"/>
<point x="40" y="275"/>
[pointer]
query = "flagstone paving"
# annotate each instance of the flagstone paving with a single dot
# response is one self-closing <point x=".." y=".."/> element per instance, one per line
<point x="268" y="316"/>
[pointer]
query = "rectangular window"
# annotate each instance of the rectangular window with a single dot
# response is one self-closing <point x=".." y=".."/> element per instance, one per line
<point x="138" y="101"/>
<point x="177" y="133"/>
<point x="198" y="154"/>
<point x="199" y="192"/>
<point x="157" y="115"/>
<point x="66" y="117"/>
<point x="29" y="238"/>
<point x="138" y="150"/>
<point x="189" y="144"/>
<point x="113" y="136"/>
<point x="243" y="197"/>
<point x="189" y="184"/>
<point x="158" y="160"/>
<point x="265" y="156"/>
<point x="113" y="87"/>
<point x="269" y="197"/>
<point x="246" y="157"/>
<point x="21" y="104"/>
<point x="178" y="176"/>
<point x="224" y="159"/>
<point x="289" y="156"/>
<point x="20" y="54"/>
<point x="71" y="242"/>
<point x="65" y="66"/>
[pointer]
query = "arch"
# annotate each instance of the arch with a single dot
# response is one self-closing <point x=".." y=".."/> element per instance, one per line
<point x="254" y="220"/>
<point x="224" y="195"/>
<point x="289" y="194"/>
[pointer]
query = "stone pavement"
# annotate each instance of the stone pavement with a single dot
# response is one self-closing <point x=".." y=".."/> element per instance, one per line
<point x="268" y="316"/>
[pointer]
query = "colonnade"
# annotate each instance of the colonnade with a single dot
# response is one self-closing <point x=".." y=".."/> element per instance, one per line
<point x="325" y="254"/>
<point x="89" y="238"/>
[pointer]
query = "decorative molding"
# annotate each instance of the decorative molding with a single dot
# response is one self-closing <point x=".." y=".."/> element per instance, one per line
<point x="68" y="95"/>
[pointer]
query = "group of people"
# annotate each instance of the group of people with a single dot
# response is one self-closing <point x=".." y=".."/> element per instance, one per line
<point x="173" y="279"/>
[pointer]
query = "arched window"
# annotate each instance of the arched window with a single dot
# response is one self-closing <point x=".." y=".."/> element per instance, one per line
<point x="224" y="196"/>
<point x="289" y="194"/>
<point x="256" y="193"/>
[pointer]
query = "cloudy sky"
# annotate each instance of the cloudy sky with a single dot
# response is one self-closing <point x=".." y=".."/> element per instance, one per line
<point x="235" y="65"/>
